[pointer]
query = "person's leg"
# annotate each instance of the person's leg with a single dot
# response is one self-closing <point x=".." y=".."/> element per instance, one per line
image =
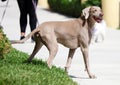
<point x="32" y="4"/>
<point x="23" y="17"/>
<point x="32" y="14"/>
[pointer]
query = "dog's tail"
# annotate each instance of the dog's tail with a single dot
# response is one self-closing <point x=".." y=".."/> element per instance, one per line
<point x="26" y="38"/>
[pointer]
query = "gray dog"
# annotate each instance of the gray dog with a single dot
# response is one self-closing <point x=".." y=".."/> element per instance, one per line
<point x="72" y="34"/>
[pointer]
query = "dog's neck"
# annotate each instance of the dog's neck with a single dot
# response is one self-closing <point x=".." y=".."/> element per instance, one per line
<point x="88" y="24"/>
<point x="91" y="22"/>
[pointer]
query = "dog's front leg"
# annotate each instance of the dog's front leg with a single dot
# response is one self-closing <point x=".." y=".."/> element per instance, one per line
<point x="69" y="60"/>
<point x="86" y="61"/>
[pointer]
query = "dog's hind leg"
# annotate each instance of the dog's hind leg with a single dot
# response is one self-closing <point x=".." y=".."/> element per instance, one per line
<point x="52" y="53"/>
<point x="53" y="48"/>
<point x="38" y="45"/>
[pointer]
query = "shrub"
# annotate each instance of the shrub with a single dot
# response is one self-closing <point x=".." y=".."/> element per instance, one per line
<point x="67" y="7"/>
<point x="4" y="44"/>
<point x="91" y="3"/>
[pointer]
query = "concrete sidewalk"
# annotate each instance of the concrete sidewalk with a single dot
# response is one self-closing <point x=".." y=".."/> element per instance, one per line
<point x="104" y="57"/>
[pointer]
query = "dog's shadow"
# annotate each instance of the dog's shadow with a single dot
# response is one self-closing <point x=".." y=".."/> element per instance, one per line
<point x="36" y="62"/>
<point x="76" y="77"/>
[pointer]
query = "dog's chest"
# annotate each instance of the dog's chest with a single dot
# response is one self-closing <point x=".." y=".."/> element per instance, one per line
<point x="70" y="42"/>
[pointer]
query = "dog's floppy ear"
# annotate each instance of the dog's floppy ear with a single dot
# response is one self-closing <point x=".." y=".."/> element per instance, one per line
<point x="85" y="12"/>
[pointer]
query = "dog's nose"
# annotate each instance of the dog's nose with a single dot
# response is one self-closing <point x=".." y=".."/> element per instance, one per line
<point x="101" y="14"/>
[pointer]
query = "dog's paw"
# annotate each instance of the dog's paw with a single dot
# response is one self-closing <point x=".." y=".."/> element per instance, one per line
<point x="66" y="70"/>
<point x="49" y="66"/>
<point x="92" y="76"/>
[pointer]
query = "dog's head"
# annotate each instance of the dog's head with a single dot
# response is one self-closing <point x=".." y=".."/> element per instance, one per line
<point x="93" y="12"/>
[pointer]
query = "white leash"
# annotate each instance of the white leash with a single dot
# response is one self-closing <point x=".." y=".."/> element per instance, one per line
<point x="4" y="13"/>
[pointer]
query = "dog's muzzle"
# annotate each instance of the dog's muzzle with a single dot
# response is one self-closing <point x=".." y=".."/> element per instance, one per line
<point x="99" y="18"/>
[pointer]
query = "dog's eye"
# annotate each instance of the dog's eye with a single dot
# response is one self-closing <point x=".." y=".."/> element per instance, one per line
<point x="94" y="11"/>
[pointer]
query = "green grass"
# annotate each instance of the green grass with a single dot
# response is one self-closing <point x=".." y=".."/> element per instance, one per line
<point x="15" y="71"/>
